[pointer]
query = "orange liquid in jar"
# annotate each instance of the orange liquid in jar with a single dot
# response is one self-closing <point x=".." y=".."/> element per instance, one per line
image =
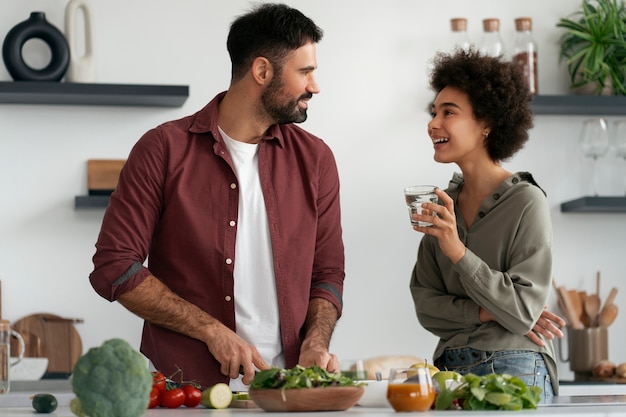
<point x="410" y="397"/>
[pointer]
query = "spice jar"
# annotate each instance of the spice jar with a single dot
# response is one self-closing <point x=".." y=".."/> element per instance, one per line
<point x="459" y="33"/>
<point x="492" y="42"/>
<point x="524" y="52"/>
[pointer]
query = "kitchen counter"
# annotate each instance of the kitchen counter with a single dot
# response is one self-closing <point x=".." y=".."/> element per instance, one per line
<point x="17" y="403"/>
<point x="596" y="410"/>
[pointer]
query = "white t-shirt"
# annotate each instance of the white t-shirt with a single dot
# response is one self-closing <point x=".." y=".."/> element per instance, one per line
<point x="256" y="305"/>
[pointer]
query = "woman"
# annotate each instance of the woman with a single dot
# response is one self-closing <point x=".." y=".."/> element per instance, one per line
<point x="483" y="271"/>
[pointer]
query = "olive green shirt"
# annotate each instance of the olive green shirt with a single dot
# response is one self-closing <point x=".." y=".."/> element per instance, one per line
<point x="507" y="270"/>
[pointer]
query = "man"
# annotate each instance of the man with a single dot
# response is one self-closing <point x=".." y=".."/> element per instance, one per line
<point x="237" y="211"/>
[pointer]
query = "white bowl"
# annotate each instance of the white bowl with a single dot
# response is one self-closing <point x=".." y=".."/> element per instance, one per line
<point x="28" y="369"/>
<point x="375" y="394"/>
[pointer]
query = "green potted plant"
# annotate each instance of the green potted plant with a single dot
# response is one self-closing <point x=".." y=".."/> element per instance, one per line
<point x="594" y="46"/>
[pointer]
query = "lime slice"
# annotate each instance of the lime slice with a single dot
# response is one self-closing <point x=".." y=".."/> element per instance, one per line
<point x="218" y="396"/>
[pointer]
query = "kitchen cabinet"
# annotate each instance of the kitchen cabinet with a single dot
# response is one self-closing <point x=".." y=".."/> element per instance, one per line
<point x="44" y="92"/>
<point x="581" y="105"/>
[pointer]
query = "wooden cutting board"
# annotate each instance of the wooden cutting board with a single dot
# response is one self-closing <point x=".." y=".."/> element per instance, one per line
<point x="51" y="336"/>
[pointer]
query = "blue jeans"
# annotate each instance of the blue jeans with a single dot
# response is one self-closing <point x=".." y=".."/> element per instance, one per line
<point x="527" y="365"/>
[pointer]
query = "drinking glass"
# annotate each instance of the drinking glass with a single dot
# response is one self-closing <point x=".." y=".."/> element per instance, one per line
<point x="618" y="142"/>
<point x="594" y="142"/>
<point x="415" y="196"/>
<point x="410" y="389"/>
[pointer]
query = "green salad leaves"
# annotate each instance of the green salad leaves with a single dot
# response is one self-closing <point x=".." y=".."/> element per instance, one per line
<point x="300" y="377"/>
<point x="489" y="392"/>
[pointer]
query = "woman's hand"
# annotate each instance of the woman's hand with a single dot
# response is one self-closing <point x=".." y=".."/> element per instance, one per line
<point x="444" y="226"/>
<point x="549" y="325"/>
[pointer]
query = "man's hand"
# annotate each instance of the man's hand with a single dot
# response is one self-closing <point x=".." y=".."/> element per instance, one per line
<point x="319" y="325"/>
<point x="233" y="353"/>
<point x="154" y="302"/>
<point x="320" y="357"/>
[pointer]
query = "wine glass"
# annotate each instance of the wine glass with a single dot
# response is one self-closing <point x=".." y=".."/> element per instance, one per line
<point x="594" y="142"/>
<point x="410" y="389"/>
<point x="618" y="142"/>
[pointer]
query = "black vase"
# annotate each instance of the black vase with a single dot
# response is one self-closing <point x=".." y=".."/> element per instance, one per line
<point x="36" y="27"/>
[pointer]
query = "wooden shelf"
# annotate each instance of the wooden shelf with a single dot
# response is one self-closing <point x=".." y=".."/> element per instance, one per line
<point x="579" y="105"/>
<point x="44" y="92"/>
<point x="595" y="205"/>
<point x="91" y="201"/>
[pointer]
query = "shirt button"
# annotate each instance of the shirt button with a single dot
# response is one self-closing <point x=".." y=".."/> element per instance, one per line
<point x="232" y="223"/>
<point x="233" y="186"/>
<point x="227" y="298"/>
<point x="496" y="196"/>
<point x="515" y="180"/>
<point x="229" y="261"/>
<point x="481" y="214"/>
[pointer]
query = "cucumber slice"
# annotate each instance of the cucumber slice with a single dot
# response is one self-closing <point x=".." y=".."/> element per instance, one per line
<point x="241" y="396"/>
<point x="218" y="396"/>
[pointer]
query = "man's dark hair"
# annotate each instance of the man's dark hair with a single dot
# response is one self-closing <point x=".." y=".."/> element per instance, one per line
<point x="497" y="91"/>
<point x="271" y="31"/>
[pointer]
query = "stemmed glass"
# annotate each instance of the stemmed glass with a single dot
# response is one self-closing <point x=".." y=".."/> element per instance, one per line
<point x="618" y="142"/>
<point x="594" y="142"/>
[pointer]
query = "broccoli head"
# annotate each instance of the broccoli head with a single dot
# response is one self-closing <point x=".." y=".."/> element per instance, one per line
<point x="112" y="380"/>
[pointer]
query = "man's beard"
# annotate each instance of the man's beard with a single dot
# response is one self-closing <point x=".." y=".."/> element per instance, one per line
<point x="278" y="105"/>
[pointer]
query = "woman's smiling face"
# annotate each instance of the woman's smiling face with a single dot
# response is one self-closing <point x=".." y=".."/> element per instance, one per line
<point x="455" y="132"/>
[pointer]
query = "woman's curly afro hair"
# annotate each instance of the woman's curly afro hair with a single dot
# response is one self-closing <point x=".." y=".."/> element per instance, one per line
<point x="497" y="91"/>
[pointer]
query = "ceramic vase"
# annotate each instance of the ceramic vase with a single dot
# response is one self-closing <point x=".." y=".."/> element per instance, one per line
<point x="35" y="27"/>
<point x="82" y="67"/>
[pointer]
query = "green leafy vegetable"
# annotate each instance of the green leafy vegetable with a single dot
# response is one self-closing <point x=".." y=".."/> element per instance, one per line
<point x="111" y="380"/>
<point x="489" y="392"/>
<point x="300" y="377"/>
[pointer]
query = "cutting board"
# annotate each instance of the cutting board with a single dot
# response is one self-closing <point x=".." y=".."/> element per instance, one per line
<point x="51" y="336"/>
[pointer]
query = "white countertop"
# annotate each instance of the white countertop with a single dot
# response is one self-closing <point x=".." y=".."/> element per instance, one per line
<point x="593" y="400"/>
<point x="564" y="411"/>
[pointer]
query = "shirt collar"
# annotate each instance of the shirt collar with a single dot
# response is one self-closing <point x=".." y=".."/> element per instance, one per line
<point x="205" y="121"/>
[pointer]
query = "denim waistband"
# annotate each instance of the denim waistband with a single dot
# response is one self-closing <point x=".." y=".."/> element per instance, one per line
<point x="462" y="357"/>
<point x="467" y="356"/>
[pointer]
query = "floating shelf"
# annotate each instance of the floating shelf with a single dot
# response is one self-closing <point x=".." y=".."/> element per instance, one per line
<point x="595" y="205"/>
<point x="91" y="201"/>
<point x="44" y="92"/>
<point x="579" y="105"/>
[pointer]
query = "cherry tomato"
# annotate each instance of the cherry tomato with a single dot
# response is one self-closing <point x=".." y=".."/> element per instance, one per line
<point x="158" y="380"/>
<point x="173" y="398"/>
<point x="193" y="396"/>
<point x="155" y="398"/>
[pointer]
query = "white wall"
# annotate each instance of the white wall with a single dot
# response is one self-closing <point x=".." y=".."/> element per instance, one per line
<point x="372" y="70"/>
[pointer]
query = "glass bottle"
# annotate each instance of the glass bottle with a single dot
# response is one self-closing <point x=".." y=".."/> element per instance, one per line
<point x="492" y="42"/>
<point x="459" y="33"/>
<point x="524" y="52"/>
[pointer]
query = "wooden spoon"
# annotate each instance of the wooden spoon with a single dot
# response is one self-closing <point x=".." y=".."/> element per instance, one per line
<point x="607" y="316"/>
<point x="593" y="304"/>
<point x="592" y="309"/>
<point x="609" y="310"/>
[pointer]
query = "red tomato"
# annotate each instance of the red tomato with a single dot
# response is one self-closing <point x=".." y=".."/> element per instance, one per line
<point x="173" y="398"/>
<point x="155" y="398"/>
<point x="193" y="396"/>
<point x="158" y="380"/>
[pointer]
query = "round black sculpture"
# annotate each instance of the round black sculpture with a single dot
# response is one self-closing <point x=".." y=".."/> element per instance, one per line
<point x="36" y="27"/>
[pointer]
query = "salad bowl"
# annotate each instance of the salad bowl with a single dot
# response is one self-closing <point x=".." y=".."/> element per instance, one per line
<point x="306" y="399"/>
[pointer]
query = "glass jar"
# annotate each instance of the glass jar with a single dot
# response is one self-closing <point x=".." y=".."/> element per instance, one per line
<point x="491" y="43"/>
<point x="524" y="52"/>
<point x="459" y="33"/>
